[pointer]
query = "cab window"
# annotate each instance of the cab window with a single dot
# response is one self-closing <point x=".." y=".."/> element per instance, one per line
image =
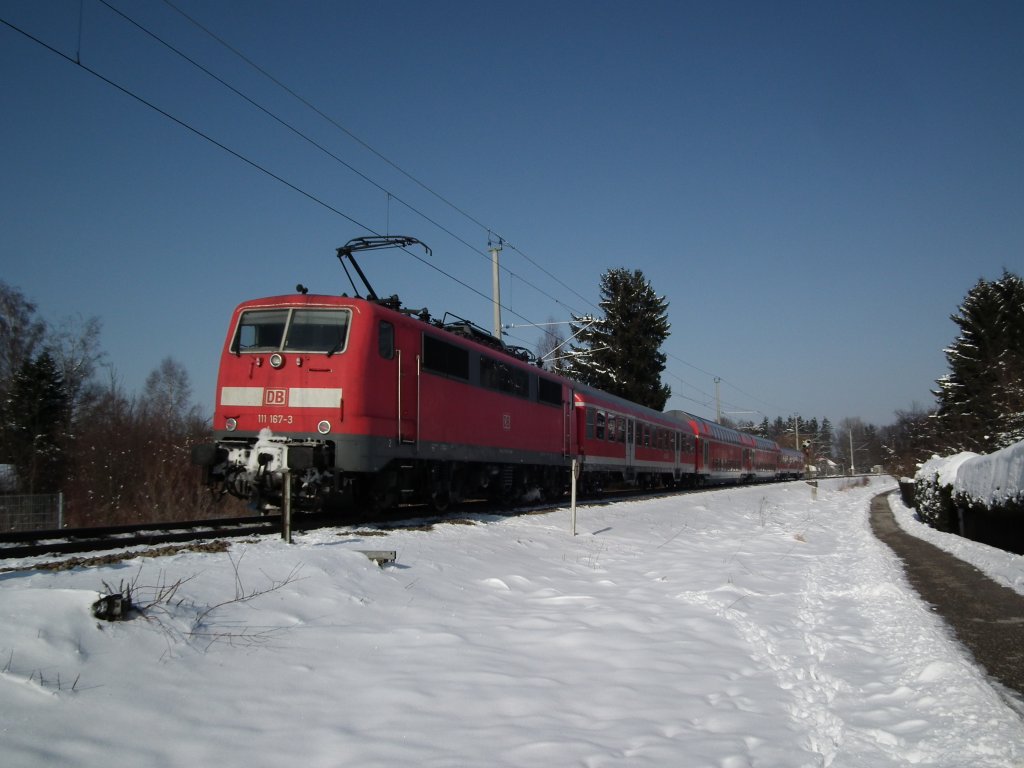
<point x="294" y="330"/>
<point x="318" y="330"/>
<point x="260" y="330"/>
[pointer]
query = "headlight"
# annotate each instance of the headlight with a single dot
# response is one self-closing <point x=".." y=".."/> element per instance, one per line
<point x="276" y="360"/>
<point x="323" y="427"/>
<point x="231" y="425"/>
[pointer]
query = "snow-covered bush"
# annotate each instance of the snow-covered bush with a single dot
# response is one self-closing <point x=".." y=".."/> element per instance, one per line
<point x="907" y="492"/>
<point x="933" y="491"/>
<point x="994" y="482"/>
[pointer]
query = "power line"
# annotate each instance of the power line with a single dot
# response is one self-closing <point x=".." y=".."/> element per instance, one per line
<point x="381" y="156"/>
<point x="490" y="231"/>
<point x="238" y="155"/>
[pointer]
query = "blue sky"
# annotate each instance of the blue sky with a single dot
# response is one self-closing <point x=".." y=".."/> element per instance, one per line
<point x="814" y="186"/>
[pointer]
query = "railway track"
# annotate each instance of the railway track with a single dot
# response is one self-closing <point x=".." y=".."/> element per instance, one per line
<point x="27" y="544"/>
<point x="20" y="544"/>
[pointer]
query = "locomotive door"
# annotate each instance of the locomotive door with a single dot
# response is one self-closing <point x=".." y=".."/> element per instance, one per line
<point x="405" y="379"/>
<point x="408" y="396"/>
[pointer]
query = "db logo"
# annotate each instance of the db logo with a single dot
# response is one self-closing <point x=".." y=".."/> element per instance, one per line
<point x="275" y="397"/>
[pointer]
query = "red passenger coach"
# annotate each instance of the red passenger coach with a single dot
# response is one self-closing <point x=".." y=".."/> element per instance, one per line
<point x="792" y="464"/>
<point x="620" y="440"/>
<point x="356" y="400"/>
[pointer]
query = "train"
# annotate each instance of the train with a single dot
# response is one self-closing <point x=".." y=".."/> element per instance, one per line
<point x="356" y="401"/>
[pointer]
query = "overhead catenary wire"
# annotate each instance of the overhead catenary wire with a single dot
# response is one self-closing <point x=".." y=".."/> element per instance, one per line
<point x="390" y="195"/>
<point x="248" y="161"/>
<point x="295" y="187"/>
<point x="490" y="231"/>
<point x="380" y="155"/>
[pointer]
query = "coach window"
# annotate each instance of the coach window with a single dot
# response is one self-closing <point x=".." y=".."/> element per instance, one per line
<point x="591" y="416"/>
<point x="386" y="340"/>
<point x="599" y="434"/>
<point x="260" y="330"/>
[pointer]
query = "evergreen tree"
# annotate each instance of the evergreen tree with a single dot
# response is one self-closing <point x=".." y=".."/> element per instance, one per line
<point x="21" y="333"/>
<point x="981" y="399"/>
<point x="910" y="441"/>
<point x="35" y="418"/>
<point x="873" y="452"/>
<point x="620" y="353"/>
<point x="825" y="439"/>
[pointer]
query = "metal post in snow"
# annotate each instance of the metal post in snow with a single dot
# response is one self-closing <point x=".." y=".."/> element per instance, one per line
<point x="286" y="507"/>
<point x="575" y="476"/>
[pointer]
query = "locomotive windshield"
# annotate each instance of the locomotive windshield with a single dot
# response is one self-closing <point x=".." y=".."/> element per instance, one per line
<point x="294" y="330"/>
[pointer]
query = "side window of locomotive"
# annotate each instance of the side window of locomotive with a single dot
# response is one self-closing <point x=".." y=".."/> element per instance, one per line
<point x="260" y="330"/>
<point x="500" y="376"/>
<point x="549" y="391"/>
<point x="318" y="330"/>
<point x="445" y="359"/>
<point x="386" y="340"/>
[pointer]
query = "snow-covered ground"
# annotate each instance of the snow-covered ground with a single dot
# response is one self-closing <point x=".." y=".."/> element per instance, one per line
<point x="760" y="626"/>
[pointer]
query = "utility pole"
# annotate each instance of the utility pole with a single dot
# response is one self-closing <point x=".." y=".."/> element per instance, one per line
<point x="496" y="287"/>
<point x="718" y="401"/>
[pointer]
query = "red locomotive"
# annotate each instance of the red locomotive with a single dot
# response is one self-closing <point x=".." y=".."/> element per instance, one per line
<point x="364" y="402"/>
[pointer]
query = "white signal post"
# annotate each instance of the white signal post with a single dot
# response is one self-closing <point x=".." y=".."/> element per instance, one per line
<point x="575" y="476"/>
<point x="496" y="287"/>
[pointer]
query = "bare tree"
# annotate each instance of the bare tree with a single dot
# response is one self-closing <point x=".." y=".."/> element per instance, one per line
<point x="76" y="346"/>
<point x="167" y="396"/>
<point x="551" y="346"/>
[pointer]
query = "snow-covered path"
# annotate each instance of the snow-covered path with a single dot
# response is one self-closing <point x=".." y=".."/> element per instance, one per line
<point x="756" y="626"/>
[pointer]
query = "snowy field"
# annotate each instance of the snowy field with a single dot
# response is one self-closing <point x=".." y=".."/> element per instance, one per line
<point x="758" y="626"/>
